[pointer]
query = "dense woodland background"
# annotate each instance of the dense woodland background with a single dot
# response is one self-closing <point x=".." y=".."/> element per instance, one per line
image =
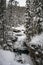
<point x="29" y="17"/>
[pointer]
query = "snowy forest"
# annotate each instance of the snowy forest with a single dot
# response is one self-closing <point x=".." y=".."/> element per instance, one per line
<point x="21" y="32"/>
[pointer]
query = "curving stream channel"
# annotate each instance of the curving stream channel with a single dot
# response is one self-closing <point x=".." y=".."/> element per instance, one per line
<point x="20" y="56"/>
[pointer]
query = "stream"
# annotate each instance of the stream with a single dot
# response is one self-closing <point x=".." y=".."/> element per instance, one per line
<point x="20" y="54"/>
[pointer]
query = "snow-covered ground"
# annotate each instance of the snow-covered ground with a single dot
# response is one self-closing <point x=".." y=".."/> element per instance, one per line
<point x="9" y="58"/>
<point x="37" y="40"/>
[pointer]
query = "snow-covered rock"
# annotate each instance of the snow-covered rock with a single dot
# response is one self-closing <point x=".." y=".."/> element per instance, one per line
<point x="10" y="44"/>
<point x="0" y="47"/>
<point x="37" y="40"/>
<point x="21" y="37"/>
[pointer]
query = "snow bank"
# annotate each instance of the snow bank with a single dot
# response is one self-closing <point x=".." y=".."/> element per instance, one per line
<point x="8" y="58"/>
<point x="38" y="39"/>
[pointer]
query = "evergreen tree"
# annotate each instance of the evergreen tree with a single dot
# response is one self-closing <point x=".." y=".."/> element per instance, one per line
<point x="2" y="21"/>
<point x="34" y="17"/>
<point x="12" y="4"/>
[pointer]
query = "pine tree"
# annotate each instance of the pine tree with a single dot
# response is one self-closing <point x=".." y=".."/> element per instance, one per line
<point x="12" y="4"/>
<point x="34" y="17"/>
<point x="2" y="20"/>
<point x="10" y="17"/>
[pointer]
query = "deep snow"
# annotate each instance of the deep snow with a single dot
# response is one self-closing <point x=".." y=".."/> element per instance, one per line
<point x="37" y="40"/>
<point x="9" y="58"/>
